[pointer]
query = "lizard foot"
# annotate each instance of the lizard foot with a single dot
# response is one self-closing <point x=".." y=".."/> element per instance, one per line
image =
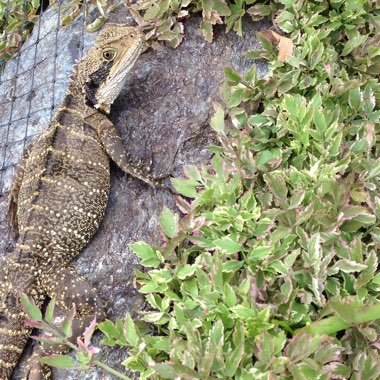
<point x="36" y="370"/>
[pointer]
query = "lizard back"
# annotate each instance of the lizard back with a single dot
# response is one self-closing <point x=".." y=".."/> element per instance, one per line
<point x="65" y="189"/>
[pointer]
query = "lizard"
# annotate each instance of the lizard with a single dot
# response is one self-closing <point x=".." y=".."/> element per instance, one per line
<point x="60" y="193"/>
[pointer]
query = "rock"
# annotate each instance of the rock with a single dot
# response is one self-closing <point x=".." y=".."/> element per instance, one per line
<point x="163" y="113"/>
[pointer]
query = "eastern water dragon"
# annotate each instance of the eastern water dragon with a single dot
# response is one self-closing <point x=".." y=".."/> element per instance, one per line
<point x="60" y="194"/>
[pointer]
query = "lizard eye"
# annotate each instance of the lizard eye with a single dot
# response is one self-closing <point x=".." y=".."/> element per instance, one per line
<point x="132" y="35"/>
<point x="109" y="55"/>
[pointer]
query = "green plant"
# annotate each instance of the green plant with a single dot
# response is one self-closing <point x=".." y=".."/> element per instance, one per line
<point x="16" y="21"/>
<point x="84" y="350"/>
<point x="18" y="17"/>
<point x="162" y="19"/>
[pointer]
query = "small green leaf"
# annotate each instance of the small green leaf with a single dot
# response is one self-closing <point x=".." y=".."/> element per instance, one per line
<point x="320" y="121"/>
<point x="264" y="42"/>
<point x="353" y="44"/>
<point x="92" y="27"/>
<point x="164" y="6"/>
<point x="192" y="172"/>
<point x="169" y="222"/>
<point x="152" y="12"/>
<point x="232" y="266"/>
<point x="376" y="279"/>
<point x="355" y="98"/>
<point x="257" y="120"/>
<point x="221" y="7"/>
<point x="186" y="271"/>
<point x="375" y="170"/>
<point x="228" y="245"/>
<point x="236" y="95"/>
<point x="30" y="307"/>
<point x="149" y="257"/>
<point x="296" y="199"/>
<point x="186" y="187"/>
<point x="131" y="332"/>
<point x="312" y="256"/>
<point x="50" y="311"/>
<point x="346" y="266"/>
<point x="244" y="312"/>
<point x="206" y="28"/>
<point x="291" y="105"/>
<point x="346" y="310"/>
<point x="260" y="252"/>
<point x="235" y="357"/>
<point x="232" y="75"/>
<point x="68" y="322"/>
<point x="293" y="61"/>
<point x="217" y="121"/>
<point x="229" y="295"/>
<point x="58" y="361"/>
<point x="35" y="4"/>
<point x="108" y="328"/>
<point x="175" y="370"/>
<point x="277" y="185"/>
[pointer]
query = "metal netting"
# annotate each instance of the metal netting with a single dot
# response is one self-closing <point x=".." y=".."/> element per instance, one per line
<point x="28" y="91"/>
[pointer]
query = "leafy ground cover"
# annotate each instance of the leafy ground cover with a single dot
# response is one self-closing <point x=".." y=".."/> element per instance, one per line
<point x="271" y="270"/>
<point x="17" y="18"/>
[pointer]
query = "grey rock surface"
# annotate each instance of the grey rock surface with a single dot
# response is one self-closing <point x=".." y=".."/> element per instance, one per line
<point x="163" y="113"/>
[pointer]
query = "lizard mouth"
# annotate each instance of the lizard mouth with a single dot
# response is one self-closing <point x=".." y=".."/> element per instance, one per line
<point x="111" y="88"/>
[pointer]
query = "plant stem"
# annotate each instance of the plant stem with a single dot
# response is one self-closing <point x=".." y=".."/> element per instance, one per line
<point x="283" y="324"/>
<point x="334" y="324"/>
<point x="111" y="370"/>
<point x="75" y="348"/>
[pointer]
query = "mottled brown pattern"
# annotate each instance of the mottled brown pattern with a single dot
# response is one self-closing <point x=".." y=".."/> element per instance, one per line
<point x="60" y="195"/>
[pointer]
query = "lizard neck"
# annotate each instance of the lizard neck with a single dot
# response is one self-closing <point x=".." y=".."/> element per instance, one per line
<point x="74" y="108"/>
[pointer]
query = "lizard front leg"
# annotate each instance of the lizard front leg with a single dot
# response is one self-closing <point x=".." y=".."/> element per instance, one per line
<point x="113" y="144"/>
<point x="69" y="288"/>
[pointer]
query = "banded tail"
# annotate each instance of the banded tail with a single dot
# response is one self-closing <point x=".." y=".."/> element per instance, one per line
<point x="13" y="337"/>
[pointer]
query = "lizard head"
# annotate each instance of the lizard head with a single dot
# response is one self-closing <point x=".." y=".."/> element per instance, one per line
<point x="103" y="71"/>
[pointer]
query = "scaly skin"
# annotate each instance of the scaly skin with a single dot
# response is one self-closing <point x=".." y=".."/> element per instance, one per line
<point x="60" y="195"/>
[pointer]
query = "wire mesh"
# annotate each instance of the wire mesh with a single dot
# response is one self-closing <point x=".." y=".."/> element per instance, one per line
<point x="28" y="93"/>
